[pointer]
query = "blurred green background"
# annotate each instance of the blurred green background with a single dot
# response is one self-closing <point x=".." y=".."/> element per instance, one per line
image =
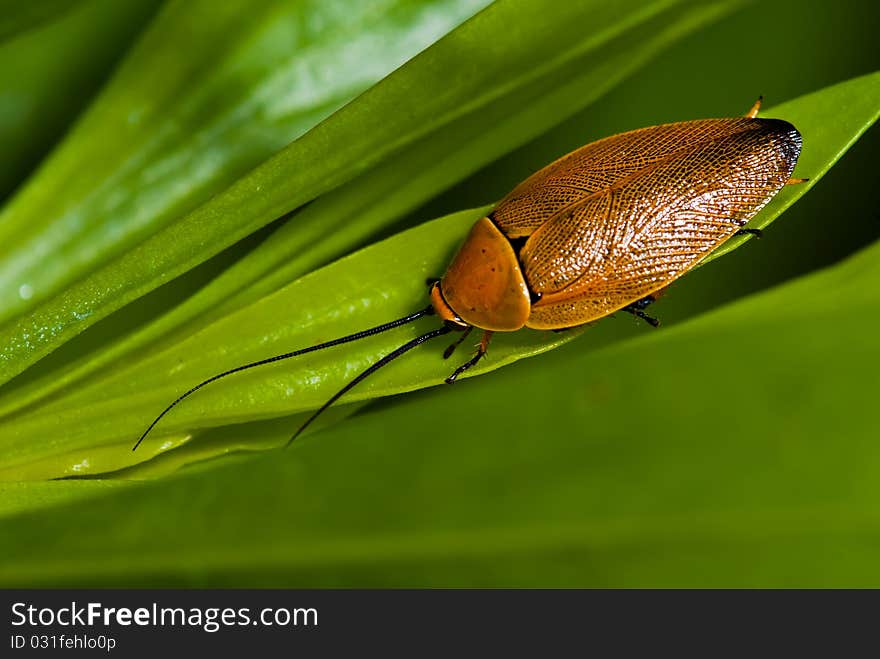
<point x="149" y="233"/>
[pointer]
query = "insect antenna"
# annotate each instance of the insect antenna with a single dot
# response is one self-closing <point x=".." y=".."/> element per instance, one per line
<point x="427" y="311"/>
<point x="391" y="356"/>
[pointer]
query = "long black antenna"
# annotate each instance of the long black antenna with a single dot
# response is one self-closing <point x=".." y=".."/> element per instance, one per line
<point x="427" y="311"/>
<point x="406" y="347"/>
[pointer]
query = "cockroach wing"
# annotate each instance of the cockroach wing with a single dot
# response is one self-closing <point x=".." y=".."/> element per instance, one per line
<point x="599" y="165"/>
<point x="647" y="228"/>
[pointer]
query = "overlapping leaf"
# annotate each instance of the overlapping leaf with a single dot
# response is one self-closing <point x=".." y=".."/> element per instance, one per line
<point x="379" y="283"/>
<point x="48" y="75"/>
<point x="627" y="496"/>
<point x="210" y="91"/>
<point x="539" y="46"/>
<point x="16" y="18"/>
<point x="735" y="449"/>
<point x="335" y="223"/>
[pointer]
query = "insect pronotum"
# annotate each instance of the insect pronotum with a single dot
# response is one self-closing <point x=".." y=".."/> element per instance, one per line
<point x="602" y="229"/>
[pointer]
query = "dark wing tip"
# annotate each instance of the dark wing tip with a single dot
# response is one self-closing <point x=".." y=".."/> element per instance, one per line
<point x="781" y="128"/>
<point x="788" y="137"/>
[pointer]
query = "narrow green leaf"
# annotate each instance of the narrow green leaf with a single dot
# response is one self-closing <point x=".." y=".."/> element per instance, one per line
<point x="179" y="122"/>
<point x="336" y="223"/>
<point x="32" y="495"/>
<point x="354" y="139"/>
<point x="19" y="16"/>
<point x="49" y="74"/>
<point x="594" y="471"/>
<point x="375" y="285"/>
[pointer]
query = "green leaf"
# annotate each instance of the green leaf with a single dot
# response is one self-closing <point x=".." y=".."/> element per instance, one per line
<point x="179" y="122"/>
<point x="539" y="48"/>
<point x="49" y="74"/>
<point x="375" y="285"/>
<point x="19" y="16"/>
<point x="32" y="495"/>
<point x="736" y="449"/>
<point x="592" y="471"/>
<point x="99" y="422"/>
<point x="335" y="223"/>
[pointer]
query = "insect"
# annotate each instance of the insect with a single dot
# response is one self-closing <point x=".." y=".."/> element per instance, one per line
<point x="602" y="229"/>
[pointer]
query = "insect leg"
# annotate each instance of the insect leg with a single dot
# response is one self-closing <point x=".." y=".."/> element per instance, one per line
<point x="753" y="111"/>
<point x="637" y="309"/>
<point x="448" y="352"/>
<point x="757" y="233"/>
<point x="484" y="346"/>
<point x="653" y="322"/>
